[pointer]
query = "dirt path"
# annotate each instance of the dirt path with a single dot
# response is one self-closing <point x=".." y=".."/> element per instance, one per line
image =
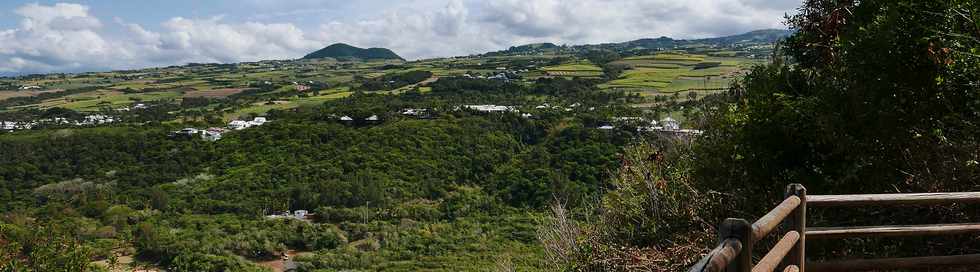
<point x="125" y="264"/>
<point x="282" y="265"/>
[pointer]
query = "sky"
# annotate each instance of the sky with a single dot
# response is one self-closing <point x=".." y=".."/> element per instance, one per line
<point x="99" y="35"/>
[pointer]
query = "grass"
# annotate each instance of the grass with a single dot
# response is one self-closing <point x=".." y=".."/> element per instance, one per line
<point x="93" y="101"/>
<point x="645" y="78"/>
<point x="673" y="72"/>
<point x="581" y="69"/>
<point x="680" y="85"/>
<point x="289" y="103"/>
<point x="11" y="94"/>
<point x="576" y="67"/>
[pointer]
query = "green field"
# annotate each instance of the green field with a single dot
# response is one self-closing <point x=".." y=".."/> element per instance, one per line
<point x="94" y="101"/>
<point x="675" y="72"/>
<point x="581" y="69"/>
<point x="288" y="103"/>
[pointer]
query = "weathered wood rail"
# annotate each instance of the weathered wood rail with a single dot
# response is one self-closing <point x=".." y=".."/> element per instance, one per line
<point x="738" y="237"/>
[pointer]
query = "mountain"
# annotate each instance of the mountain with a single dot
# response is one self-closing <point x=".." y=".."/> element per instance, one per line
<point x="526" y="49"/>
<point x="532" y="47"/>
<point x="763" y="36"/>
<point x="758" y="36"/>
<point x="340" y="50"/>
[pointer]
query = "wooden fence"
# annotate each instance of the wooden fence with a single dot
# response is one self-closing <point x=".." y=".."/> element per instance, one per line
<point x="738" y="237"/>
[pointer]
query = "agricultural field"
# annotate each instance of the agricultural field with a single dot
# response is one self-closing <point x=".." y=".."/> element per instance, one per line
<point x="25" y="93"/>
<point x="255" y="88"/>
<point x="218" y="93"/>
<point x="94" y="101"/>
<point x="673" y="72"/>
<point x="261" y="108"/>
<point x="581" y="69"/>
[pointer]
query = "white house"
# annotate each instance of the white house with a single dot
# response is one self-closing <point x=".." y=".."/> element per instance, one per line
<point x="346" y="118"/>
<point x="606" y="127"/>
<point x="189" y="132"/>
<point x="258" y="121"/>
<point x="212" y="134"/>
<point x="670" y="124"/>
<point x="8" y="125"/>
<point x="412" y="112"/>
<point x="373" y="118"/>
<point x="300" y="214"/>
<point x="98" y="119"/>
<point x="490" y="108"/>
<point x="239" y="125"/>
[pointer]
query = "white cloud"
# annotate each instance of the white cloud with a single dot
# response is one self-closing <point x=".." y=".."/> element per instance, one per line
<point x="210" y="40"/>
<point x="67" y="37"/>
<point x="470" y="26"/>
<point x="62" y="36"/>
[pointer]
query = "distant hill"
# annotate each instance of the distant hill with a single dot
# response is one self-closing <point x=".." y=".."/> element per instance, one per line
<point x="532" y="47"/>
<point x="526" y="49"/>
<point x="340" y="50"/>
<point x="763" y="36"/>
<point x="758" y="36"/>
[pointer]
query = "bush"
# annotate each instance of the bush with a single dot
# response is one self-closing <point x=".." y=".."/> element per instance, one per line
<point x="194" y="262"/>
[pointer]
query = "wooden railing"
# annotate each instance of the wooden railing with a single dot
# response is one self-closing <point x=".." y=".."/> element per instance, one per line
<point x="738" y="237"/>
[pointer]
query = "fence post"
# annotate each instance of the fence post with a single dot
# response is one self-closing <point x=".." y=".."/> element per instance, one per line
<point x="742" y="230"/>
<point x="797" y="221"/>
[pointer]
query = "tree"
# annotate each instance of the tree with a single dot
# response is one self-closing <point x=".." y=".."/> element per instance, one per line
<point x="159" y="199"/>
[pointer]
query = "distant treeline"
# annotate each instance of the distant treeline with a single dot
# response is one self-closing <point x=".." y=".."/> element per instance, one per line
<point x="394" y="81"/>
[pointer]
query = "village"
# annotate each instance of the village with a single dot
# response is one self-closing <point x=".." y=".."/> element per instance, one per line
<point x="665" y="125"/>
<point x="215" y="133"/>
<point x="88" y="120"/>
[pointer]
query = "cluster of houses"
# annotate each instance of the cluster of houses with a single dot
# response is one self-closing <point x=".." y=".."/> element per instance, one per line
<point x="209" y="134"/>
<point x="215" y="133"/>
<point x="240" y="124"/>
<point x="502" y="74"/>
<point x="569" y="108"/>
<point x="491" y="108"/>
<point x="88" y="120"/>
<point x="666" y="125"/>
<point x="303" y="87"/>
<point x="137" y="106"/>
<point x="297" y="214"/>
<point x="30" y="87"/>
<point x="348" y="119"/>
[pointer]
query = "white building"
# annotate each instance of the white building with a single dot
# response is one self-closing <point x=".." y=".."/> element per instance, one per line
<point x="8" y="125"/>
<point x="346" y="118"/>
<point x="670" y="124"/>
<point x="212" y="134"/>
<point x="239" y="125"/>
<point x="373" y="118"/>
<point x="258" y="121"/>
<point x="607" y="127"/>
<point x="98" y="119"/>
<point x="300" y="214"/>
<point x="188" y="131"/>
<point x="490" y="108"/>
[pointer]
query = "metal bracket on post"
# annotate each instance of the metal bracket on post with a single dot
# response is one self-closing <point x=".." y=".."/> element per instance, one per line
<point x="742" y="230"/>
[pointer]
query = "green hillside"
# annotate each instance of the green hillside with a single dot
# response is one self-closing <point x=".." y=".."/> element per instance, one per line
<point x="340" y="50"/>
